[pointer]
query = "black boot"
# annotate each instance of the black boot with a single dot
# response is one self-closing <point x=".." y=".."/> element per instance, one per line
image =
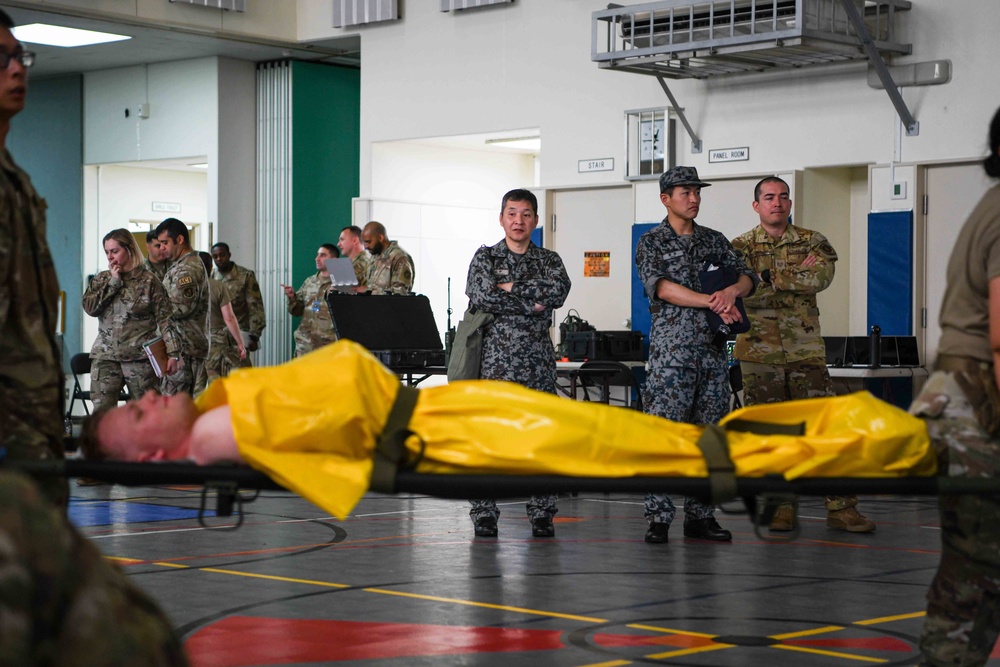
<point x="707" y="529"/>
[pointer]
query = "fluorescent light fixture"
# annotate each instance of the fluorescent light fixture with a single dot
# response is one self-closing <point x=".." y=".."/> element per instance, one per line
<point x="54" y="35"/>
<point x="199" y="165"/>
<point x="530" y="143"/>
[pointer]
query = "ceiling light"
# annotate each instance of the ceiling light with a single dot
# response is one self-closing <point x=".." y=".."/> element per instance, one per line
<point x="199" y="165"/>
<point x="54" y="35"/>
<point x="530" y="143"/>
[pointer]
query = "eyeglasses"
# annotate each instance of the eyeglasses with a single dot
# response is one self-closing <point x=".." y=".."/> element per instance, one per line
<point x="26" y="58"/>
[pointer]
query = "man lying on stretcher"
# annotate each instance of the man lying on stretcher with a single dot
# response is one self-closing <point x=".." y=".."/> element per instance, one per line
<point x="312" y="425"/>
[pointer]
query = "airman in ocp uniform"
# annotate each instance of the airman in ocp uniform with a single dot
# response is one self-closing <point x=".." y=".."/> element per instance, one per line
<point x="31" y="378"/>
<point x="186" y="283"/>
<point x="783" y="356"/>
<point x="391" y="269"/>
<point x="309" y="302"/>
<point x="248" y="303"/>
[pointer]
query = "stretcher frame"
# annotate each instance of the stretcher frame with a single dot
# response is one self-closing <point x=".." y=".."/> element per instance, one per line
<point x="226" y="481"/>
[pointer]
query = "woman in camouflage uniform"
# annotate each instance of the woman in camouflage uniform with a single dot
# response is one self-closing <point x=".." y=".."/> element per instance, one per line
<point x="132" y="308"/>
<point x="961" y="404"/>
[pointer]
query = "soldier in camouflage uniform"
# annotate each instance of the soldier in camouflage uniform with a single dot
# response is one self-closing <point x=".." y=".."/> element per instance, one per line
<point x="687" y="374"/>
<point x="248" y="304"/>
<point x="186" y="283"/>
<point x="520" y="284"/>
<point x="226" y="350"/>
<point x="132" y="309"/>
<point x="154" y="263"/>
<point x="62" y="602"/>
<point x="309" y="302"/>
<point x="783" y="356"/>
<point x="391" y="269"/>
<point x="962" y="406"/>
<point x="351" y="246"/>
<point x="31" y="378"/>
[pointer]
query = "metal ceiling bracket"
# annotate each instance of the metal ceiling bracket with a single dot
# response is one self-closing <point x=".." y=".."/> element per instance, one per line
<point x="695" y="141"/>
<point x="911" y="124"/>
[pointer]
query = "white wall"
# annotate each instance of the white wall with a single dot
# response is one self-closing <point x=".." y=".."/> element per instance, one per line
<point x="127" y="194"/>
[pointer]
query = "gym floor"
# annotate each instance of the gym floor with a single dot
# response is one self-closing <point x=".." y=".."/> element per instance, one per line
<point x="403" y="581"/>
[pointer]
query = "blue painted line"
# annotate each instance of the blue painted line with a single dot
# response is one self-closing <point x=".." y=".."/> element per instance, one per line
<point x="108" y="513"/>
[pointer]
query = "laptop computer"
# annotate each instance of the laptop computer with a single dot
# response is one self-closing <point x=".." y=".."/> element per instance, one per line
<point x="341" y="272"/>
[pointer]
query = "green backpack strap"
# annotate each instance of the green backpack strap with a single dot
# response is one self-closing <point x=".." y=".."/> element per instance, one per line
<point x="390" y="449"/>
<point x="721" y="471"/>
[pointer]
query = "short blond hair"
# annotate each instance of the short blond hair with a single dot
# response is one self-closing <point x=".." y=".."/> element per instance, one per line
<point x="126" y="240"/>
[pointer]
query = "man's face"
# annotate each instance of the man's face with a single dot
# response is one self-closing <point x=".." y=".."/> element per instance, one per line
<point x="221" y="258"/>
<point x="374" y="243"/>
<point x="321" y="256"/>
<point x="518" y="221"/>
<point x="684" y="201"/>
<point x="13" y="79"/>
<point x="147" y="429"/>
<point x="153" y="251"/>
<point x="169" y="248"/>
<point x="347" y="242"/>
<point x="774" y="205"/>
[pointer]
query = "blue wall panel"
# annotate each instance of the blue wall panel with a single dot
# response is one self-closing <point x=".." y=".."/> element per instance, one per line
<point x="890" y="272"/>
<point x="46" y="140"/>
<point x="641" y="319"/>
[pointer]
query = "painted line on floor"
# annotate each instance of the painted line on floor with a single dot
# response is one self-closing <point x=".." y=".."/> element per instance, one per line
<point x="808" y="633"/>
<point x="673" y="631"/>
<point x="832" y="654"/>
<point x="688" y="651"/>
<point x="488" y="605"/>
<point x="890" y="619"/>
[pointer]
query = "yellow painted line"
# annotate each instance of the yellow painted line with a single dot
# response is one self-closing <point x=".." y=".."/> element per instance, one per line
<point x="125" y="561"/>
<point x="179" y="566"/>
<point x="271" y="577"/>
<point x="688" y="651"/>
<point x="807" y="633"/>
<point x="890" y="619"/>
<point x="833" y="654"/>
<point x="613" y="663"/>
<point x="654" y="628"/>
<point x="486" y="605"/>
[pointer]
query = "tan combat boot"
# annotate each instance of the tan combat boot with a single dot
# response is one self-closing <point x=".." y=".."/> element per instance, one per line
<point x="849" y="519"/>
<point x="783" y="519"/>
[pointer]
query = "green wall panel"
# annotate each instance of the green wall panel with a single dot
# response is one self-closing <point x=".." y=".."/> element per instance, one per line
<point x="326" y="135"/>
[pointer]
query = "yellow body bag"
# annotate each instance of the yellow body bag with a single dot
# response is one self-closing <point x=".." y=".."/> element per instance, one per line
<point x="312" y="425"/>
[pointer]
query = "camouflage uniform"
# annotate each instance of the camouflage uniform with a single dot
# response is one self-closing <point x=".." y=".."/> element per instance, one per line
<point x="31" y="379"/>
<point x="516" y="345"/>
<point x="159" y="269"/>
<point x="316" y="328"/>
<point x="132" y="309"/>
<point x="962" y="406"/>
<point x="783" y="356"/>
<point x="248" y="303"/>
<point x="390" y="271"/>
<point x="186" y="283"/>
<point x="687" y="375"/>
<point x="62" y="602"/>
<point x="360" y="264"/>
<point x="223" y="352"/>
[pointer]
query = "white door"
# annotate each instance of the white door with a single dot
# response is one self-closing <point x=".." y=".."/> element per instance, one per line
<point x="596" y="220"/>
<point x="952" y="192"/>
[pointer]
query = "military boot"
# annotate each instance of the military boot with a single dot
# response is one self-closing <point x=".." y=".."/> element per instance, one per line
<point x="849" y="519"/>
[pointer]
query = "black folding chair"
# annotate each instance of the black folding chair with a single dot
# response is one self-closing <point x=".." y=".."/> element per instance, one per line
<point x="603" y="375"/>
<point x="79" y="365"/>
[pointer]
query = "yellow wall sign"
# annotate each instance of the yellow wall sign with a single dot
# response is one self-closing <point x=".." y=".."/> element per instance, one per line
<point x="596" y="264"/>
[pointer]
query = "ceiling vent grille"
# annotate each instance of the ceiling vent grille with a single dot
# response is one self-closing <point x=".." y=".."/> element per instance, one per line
<point x="348" y="13"/>
<point x="230" y="5"/>
<point x="448" y="5"/>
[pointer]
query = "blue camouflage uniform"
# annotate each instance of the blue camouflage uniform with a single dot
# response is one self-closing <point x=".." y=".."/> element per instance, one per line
<point x="516" y="345"/>
<point x="687" y="376"/>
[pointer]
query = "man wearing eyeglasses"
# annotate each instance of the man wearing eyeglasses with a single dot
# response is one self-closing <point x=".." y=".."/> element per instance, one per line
<point x="31" y="379"/>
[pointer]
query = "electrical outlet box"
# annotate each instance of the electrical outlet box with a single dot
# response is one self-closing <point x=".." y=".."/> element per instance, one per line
<point x="142" y="111"/>
<point x="898" y="190"/>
